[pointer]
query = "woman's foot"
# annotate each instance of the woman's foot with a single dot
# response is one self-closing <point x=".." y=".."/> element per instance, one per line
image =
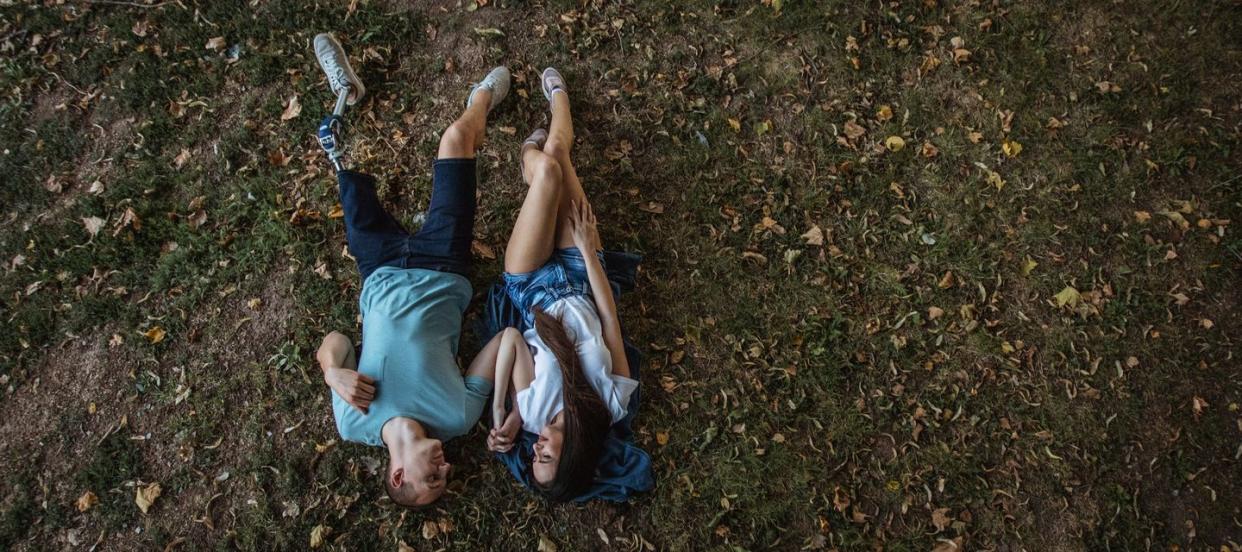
<point x="536" y="140"/>
<point x="497" y="83"/>
<point x="552" y="81"/>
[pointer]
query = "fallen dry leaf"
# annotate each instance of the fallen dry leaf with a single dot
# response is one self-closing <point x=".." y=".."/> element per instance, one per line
<point x="87" y="501"/>
<point x="1011" y="148"/>
<point x="814" y="236"/>
<point x="154" y="335"/>
<point x="216" y="43"/>
<point x="318" y="534"/>
<point x="146" y="496"/>
<point x="93" y="225"/>
<point x="940" y="518"/>
<point x="1068" y="296"/>
<point x="292" y="108"/>
<point x="894" y="143"/>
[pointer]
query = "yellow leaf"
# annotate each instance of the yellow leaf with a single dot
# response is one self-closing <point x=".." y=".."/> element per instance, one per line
<point x="318" y="534"/>
<point x="146" y="496"/>
<point x="735" y="124"/>
<point x="894" y="143"/>
<point x="1006" y="347"/>
<point x="155" y="334"/>
<point x="884" y="113"/>
<point x="1028" y="266"/>
<point x="662" y="437"/>
<point x="1068" y="296"/>
<point x="87" y="501"/>
<point x="995" y="179"/>
<point x="1011" y="148"/>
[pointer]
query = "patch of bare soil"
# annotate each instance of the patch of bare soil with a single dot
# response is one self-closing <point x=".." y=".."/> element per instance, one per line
<point x="78" y="394"/>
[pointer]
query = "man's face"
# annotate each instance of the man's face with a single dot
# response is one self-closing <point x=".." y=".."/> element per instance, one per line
<point x="421" y="476"/>
<point x="547" y="450"/>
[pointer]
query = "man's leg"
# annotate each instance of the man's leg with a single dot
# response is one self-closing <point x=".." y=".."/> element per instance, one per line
<point x="443" y="243"/>
<point x="464" y="136"/>
<point x="370" y="231"/>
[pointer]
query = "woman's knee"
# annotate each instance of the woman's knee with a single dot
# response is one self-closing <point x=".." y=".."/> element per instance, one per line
<point x="558" y="147"/>
<point x="543" y="169"/>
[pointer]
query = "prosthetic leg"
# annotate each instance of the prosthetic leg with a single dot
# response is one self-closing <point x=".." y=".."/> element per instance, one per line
<point x="348" y="89"/>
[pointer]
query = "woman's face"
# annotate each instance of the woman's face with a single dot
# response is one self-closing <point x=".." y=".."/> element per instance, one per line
<point x="547" y="450"/>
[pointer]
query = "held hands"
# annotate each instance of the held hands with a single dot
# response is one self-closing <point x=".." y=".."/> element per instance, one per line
<point x="583" y="228"/>
<point x="501" y="439"/>
<point x="357" y="389"/>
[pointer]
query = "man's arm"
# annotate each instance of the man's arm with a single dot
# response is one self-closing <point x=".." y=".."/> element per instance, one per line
<point x="340" y="372"/>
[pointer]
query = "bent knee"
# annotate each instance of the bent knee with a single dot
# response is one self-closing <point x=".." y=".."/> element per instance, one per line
<point x="457" y="137"/>
<point x="558" y="148"/>
<point x="543" y="169"/>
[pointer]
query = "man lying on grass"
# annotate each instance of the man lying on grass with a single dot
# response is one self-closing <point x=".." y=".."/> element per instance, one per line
<point x="405" y="392"/>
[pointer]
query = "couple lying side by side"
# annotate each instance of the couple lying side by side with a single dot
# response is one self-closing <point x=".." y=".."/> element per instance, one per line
<point x="559" y="372"/>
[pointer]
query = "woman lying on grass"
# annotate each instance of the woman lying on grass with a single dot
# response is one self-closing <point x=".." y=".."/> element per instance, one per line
<point x="577" y="381"/>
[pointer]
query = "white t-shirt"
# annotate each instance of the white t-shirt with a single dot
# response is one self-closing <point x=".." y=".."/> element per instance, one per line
<point x="542" y="401"/>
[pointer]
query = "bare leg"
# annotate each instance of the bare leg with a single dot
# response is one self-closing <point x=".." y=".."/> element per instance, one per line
<point x="530" y="244"/>
<point x="462" y="138"/>
<point x="560" y="142"/>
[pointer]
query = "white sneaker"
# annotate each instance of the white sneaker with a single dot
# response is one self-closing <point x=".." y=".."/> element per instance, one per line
<point x="497" y="81"/>
<point x="335" y="64"/>
<point x="550" y="82"/>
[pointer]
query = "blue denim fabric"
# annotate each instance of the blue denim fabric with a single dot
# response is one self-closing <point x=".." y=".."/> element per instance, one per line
<point x="564" y="275"/>
<point x="376" y="239"/>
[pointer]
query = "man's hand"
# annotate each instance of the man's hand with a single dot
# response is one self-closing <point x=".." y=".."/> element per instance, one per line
<point x="501" y="439"/>
<point x="357" y="389"/>
<point x="582" y="227"/>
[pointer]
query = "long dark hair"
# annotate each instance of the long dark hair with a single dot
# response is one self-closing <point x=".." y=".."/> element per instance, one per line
<point x="585" y="416"/>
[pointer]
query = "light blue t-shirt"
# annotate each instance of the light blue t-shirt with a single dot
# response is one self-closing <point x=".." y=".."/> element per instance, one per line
<point x="411" y="323"/>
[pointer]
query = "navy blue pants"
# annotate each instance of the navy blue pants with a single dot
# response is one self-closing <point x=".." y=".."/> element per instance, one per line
<point x="376" y="239"/>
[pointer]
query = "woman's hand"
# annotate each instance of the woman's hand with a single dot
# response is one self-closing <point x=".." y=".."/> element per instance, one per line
<point x="355" y="388"/>
<point x="501" y="439"/>
<point x="582" y="227"/>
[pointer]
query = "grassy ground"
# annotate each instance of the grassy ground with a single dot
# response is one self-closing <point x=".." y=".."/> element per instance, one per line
<point x="1017" y="332"/>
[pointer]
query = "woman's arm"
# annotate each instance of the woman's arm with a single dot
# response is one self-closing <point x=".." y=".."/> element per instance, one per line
<point x="484" y="364"/>
<point x="504" y="373"/>
<point x="586" y="237"/>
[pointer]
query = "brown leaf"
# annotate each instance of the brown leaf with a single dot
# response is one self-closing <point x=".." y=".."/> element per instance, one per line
<point x="940" y="518"/>
<point x="946" y="281"/>
<point x="1197" y="405"/>
<point x="651" y="207"/>
<point x="853" y="130"/>
<point x="154" y="335"/>
<point x="128" y="218"/>
<point x="93" y="225"/>
<point x="430" y="530"/>
<point x="216" y="43"/>
<point x="292" y="108"/>
<point x="181" y="158"/>
<point x="814" y="236"/>
<point x="934" y="313"/>
<point x="482" y="249"/>
<point x="87" y="501"/>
